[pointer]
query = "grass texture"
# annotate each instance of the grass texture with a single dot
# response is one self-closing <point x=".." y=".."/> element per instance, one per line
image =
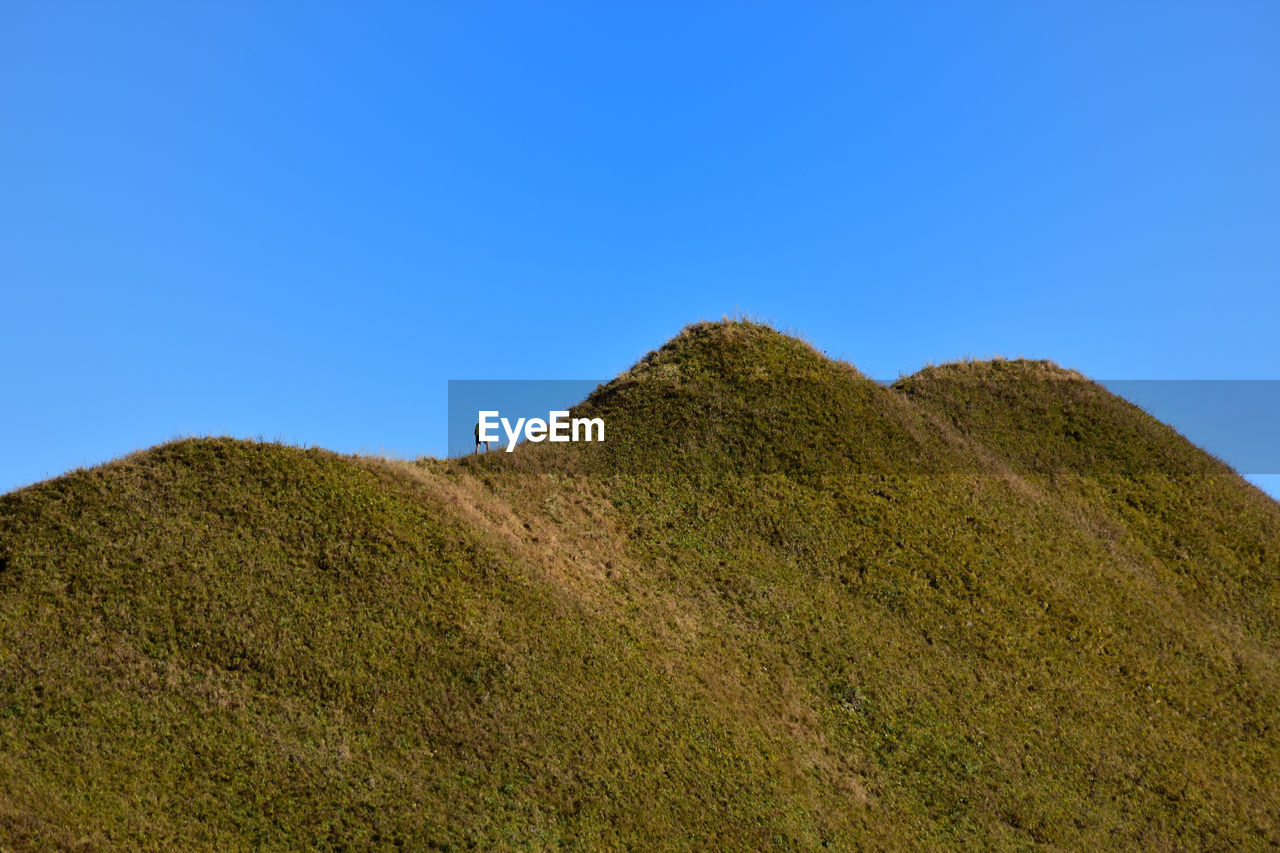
<point x="782" y="607"/>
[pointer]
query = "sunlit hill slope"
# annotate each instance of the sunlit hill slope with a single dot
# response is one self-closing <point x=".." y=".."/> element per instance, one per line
<point x="781" y="607"/>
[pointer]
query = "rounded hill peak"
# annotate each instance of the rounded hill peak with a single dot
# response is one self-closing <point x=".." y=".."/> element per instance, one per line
<point x="1045" y="417"/>
<point x="730" y="349"/>
<point x="996" y="368"/>
<point x="740" y="394"/>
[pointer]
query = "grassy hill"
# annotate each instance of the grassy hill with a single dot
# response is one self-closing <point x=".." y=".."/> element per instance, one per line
<point x="782" y="607"/>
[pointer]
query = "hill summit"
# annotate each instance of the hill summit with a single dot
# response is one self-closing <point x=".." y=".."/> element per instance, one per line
<point x="782" y="607"/>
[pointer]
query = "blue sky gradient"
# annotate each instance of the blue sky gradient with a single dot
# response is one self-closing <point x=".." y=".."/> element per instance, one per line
<point x="299" y="221"/>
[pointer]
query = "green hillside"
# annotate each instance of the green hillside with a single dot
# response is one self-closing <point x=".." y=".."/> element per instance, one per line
<point x="781" y="607"/>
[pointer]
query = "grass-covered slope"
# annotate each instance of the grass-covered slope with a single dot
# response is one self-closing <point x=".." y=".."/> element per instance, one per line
<point x="1212" y="533"/>
<point x="782" y="607"/>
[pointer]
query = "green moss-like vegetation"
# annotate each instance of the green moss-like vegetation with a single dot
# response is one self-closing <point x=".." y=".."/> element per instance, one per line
<point x="782" y="607"/>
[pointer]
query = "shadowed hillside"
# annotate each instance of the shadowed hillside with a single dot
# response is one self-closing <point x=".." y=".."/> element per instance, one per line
<point x="781" y="607"/>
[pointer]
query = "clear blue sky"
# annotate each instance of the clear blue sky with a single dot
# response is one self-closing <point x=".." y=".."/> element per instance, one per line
<point x="300" y="220"/>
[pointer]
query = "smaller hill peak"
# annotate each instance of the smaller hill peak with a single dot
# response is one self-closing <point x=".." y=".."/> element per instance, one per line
<point x="993" y="369"/>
